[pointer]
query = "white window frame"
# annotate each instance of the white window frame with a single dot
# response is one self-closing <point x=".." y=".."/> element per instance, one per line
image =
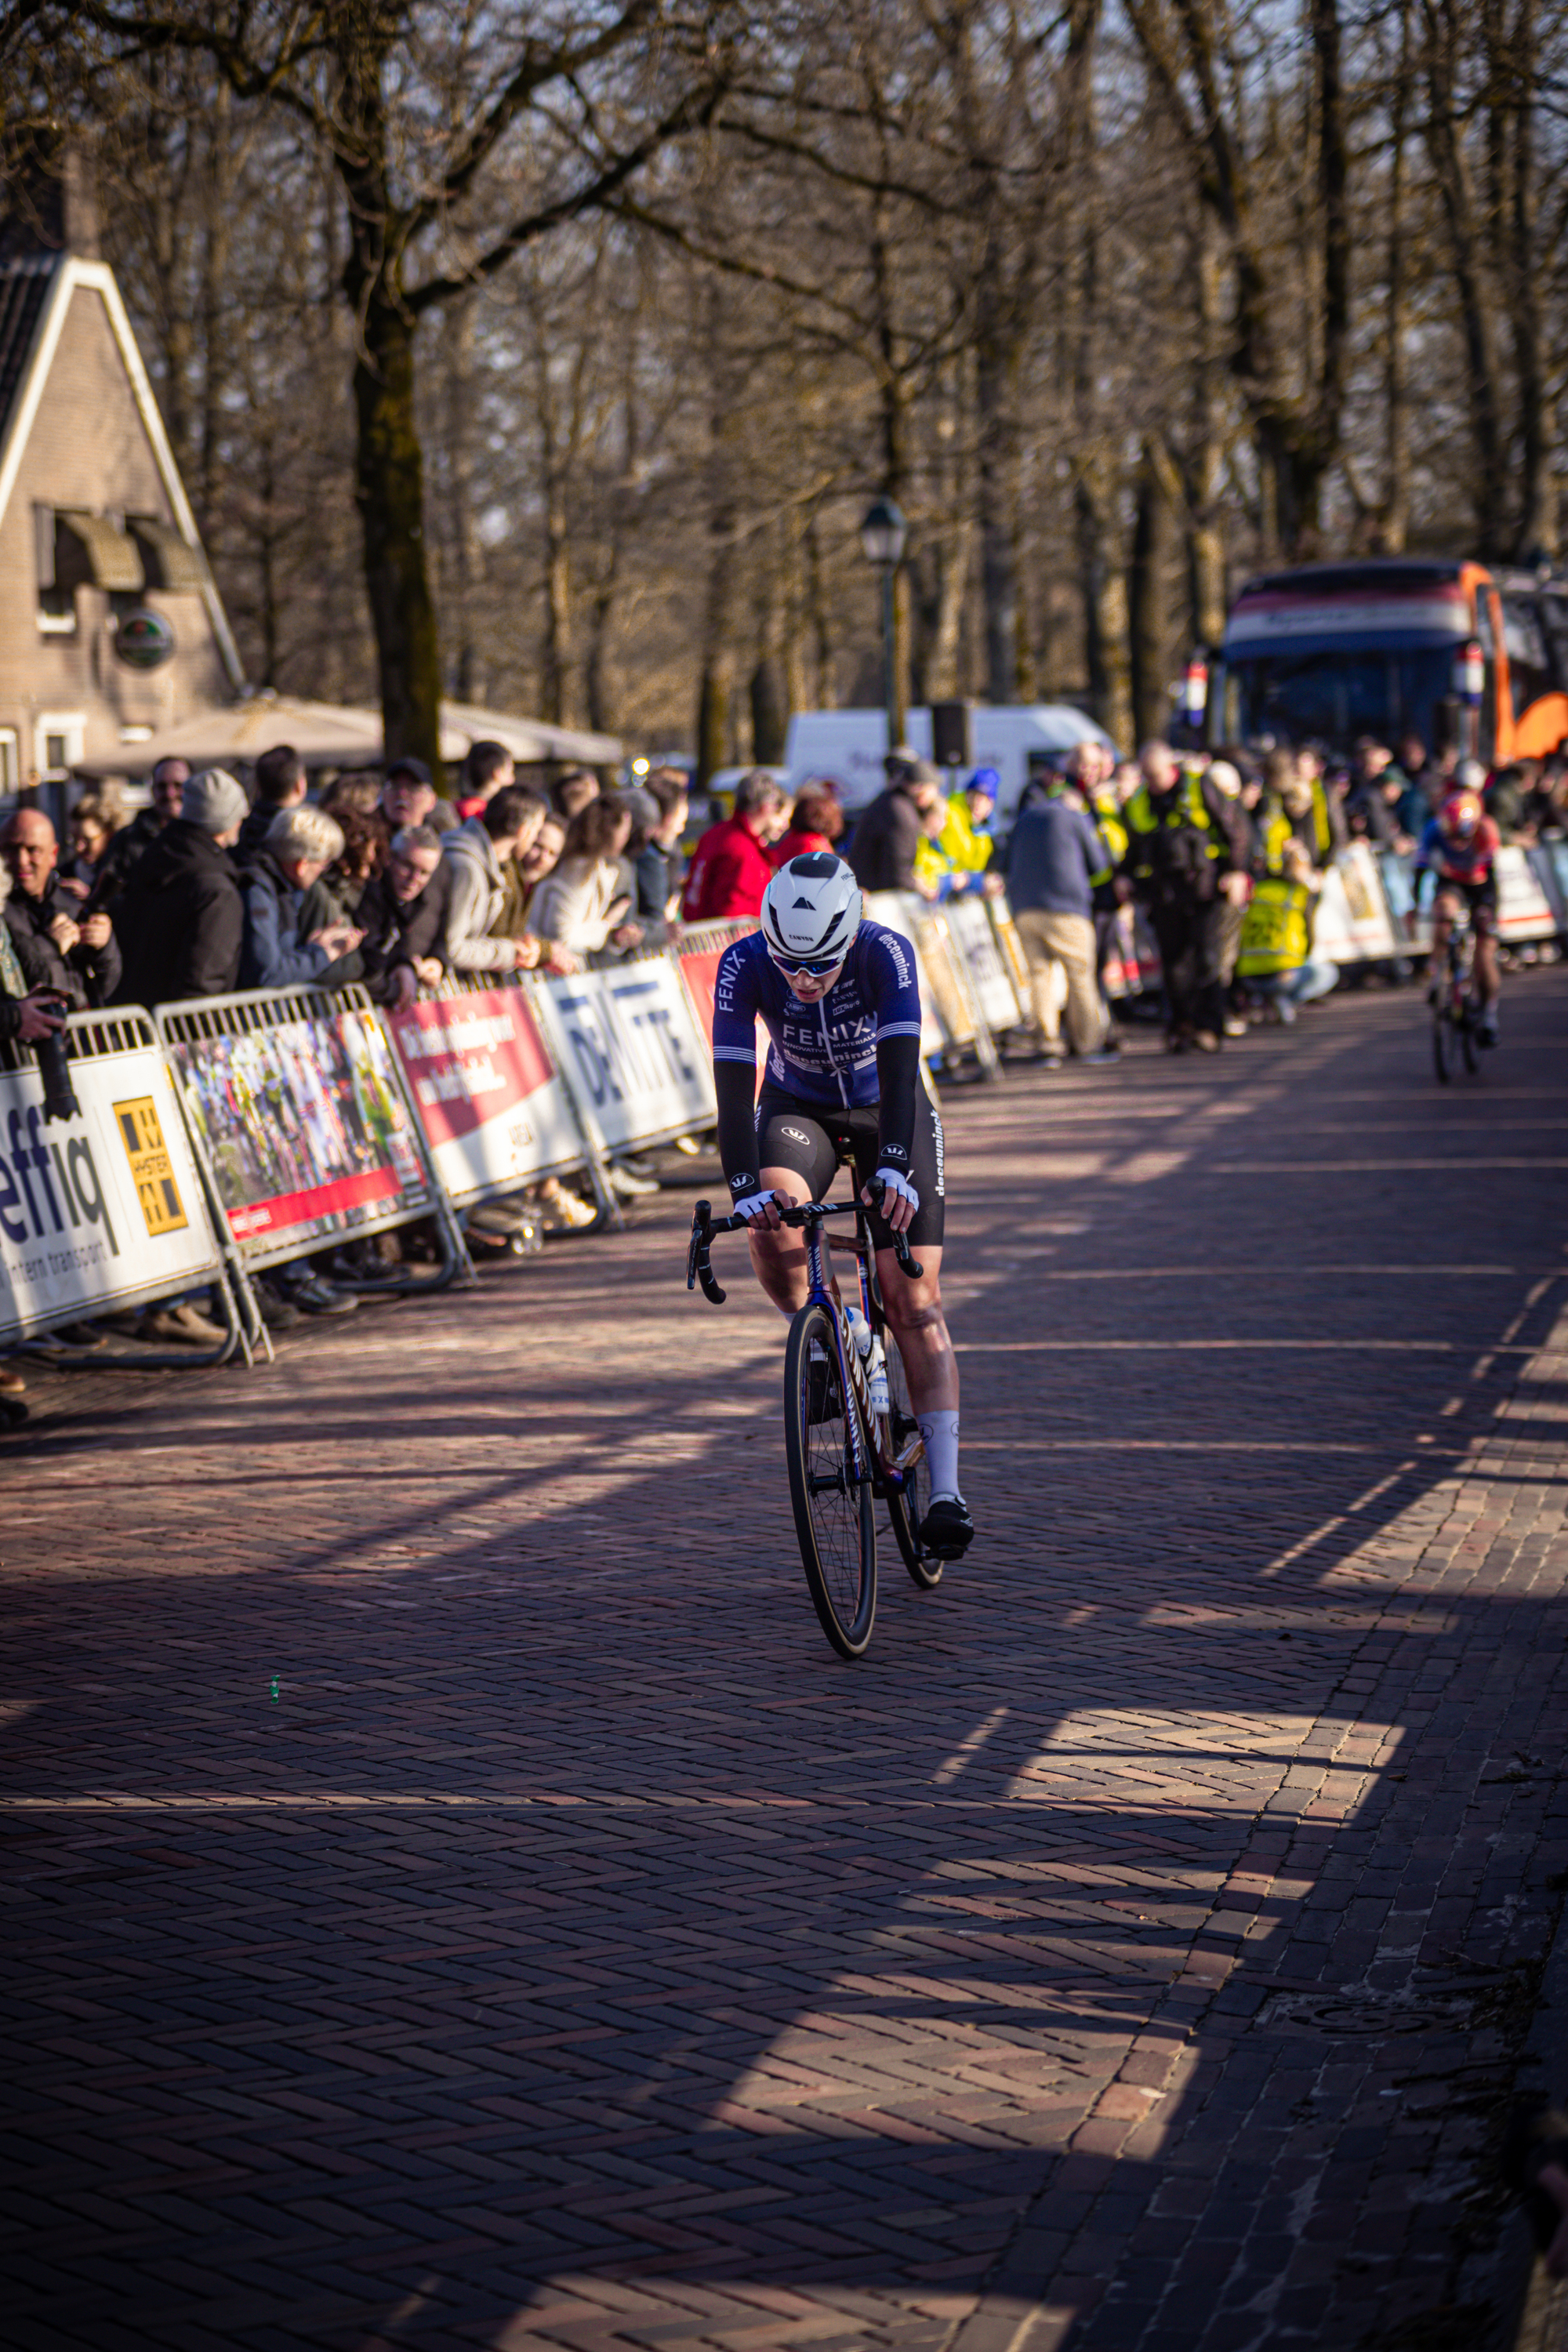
<point x="10" y="761"/>
<point x="71" y="726"/>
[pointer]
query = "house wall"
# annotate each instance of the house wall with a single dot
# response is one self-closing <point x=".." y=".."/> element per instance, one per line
<point x="89" y="447"/>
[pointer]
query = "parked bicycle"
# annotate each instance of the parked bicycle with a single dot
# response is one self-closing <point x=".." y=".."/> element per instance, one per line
<point x="1455" y="1017"/>
<point x="850" y="1431"/>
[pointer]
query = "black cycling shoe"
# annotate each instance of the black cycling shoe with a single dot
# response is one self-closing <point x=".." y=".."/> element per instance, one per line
<point x="947" y="1530"/>
<point x="823" y="1400"/>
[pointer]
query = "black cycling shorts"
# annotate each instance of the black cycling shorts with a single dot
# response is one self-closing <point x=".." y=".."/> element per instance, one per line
<point x="1480" y="898"/>
<point x="813" y="1142"/>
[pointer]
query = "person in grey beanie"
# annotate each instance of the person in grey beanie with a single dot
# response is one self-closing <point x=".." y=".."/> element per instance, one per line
<point x="180" y="921"/>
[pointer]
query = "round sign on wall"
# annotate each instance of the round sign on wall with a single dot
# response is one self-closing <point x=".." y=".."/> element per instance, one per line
<point x="143" y="640"/>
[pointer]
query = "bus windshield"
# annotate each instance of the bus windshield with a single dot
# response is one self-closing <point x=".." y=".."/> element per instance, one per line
<point x="1335" y="695"/>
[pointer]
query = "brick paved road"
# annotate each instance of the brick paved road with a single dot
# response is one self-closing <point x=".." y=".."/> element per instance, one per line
<point x="456" y="1898"/>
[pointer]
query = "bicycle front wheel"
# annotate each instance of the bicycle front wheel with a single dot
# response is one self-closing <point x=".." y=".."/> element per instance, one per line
<point x="833" y="1516"/>
<point x="907" y="1504"/>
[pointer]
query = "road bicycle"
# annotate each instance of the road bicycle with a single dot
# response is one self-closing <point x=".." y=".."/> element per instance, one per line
<point x="841" y="1452"/>
<point x="1455" y="1017"/>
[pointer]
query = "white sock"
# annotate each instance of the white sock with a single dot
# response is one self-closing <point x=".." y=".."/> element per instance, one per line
<point x="940" y="1430"/>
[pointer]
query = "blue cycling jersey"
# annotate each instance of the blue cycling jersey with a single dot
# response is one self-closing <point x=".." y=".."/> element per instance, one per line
<point x="823" y="1053"/>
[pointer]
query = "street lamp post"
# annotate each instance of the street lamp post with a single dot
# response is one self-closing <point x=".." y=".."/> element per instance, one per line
<point x="882" y="535"/>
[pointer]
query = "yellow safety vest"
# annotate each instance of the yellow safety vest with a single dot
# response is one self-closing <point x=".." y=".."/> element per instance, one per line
<point x="1277" y="929"/>
<point x="1106" y="811"/>
<point x="966" y="851"/>
<point x="1187" y="807"/>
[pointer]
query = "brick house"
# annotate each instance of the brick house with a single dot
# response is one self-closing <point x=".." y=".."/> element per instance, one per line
<point x="111" y="627"/>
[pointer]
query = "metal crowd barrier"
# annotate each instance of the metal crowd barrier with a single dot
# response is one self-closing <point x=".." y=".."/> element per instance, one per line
<point x="299" y="1108"/>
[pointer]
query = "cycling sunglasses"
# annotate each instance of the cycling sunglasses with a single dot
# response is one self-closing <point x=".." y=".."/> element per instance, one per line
<point x="807" y="966"/>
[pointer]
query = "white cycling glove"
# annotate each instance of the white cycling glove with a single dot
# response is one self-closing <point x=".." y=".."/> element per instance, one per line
<point x="899" y="1186"/>
<point x="752" y="1205"/>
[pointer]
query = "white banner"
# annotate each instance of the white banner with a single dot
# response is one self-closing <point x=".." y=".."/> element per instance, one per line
<point x="102" y="1210"/>
<point x="628" y="1046"/>
<point x="970" y="927"/>
<point x="491" y="1099"/>
<point x="902" y="912"/>
<point x="1351" y="924"/>
<point x="1523" y="910"/>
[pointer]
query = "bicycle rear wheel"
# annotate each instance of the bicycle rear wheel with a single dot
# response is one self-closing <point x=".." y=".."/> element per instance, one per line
<point x="907" y="1504"/>
<point x="1444" y="1052"/>
<point x="1467" y="1045"/>
<point x="835" y="1519"/>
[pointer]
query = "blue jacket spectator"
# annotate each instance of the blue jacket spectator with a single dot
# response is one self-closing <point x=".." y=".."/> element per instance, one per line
<point x="1055" y="853"/>
<point x="301" y="844"/>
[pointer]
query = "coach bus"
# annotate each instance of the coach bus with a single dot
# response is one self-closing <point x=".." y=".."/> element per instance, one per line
<point x="1451" y="651"/>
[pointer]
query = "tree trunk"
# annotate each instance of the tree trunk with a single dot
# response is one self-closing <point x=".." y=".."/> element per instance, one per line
<point x="998" y="553"/>
<point x="555" y="667"/>
<point x="1445" y="37"/>
<point x="1205" y="457"/>
<point x="389" y="471"/>
<point x="1393" y="517"/>
<point x="390" y="488"/>
<point x="1149" y="614"/>
<point x="1103" y="587"/>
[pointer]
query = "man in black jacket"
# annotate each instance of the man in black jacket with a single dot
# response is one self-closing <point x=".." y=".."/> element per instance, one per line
<point x="182" y="919"/>
<point x="887" y="830"/>
<point x="80" y="958"/>
<point x="132" y="841"/>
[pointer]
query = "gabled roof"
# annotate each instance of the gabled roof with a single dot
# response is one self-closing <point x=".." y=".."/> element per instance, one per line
<point x="35" y="293"/>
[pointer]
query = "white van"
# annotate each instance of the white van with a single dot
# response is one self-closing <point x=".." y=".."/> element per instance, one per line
<point x="1016" y="739"/>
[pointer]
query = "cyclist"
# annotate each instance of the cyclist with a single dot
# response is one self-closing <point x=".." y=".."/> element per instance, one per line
<point x="1457" y="849"/>
<point x="839" y="997"/>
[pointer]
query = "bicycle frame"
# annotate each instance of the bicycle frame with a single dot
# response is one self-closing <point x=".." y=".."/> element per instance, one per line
<point x="811" y="1215"/>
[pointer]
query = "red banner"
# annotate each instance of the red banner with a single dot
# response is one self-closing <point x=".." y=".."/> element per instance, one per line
<point x="321" y="1200"/>
<point x="470" y="1059"/>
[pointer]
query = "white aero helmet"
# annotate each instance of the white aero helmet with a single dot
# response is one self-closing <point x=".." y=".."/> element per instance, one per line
<point x="811" y="912"/>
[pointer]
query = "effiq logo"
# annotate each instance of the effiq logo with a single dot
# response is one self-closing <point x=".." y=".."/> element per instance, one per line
<point x="46" y="1186"/>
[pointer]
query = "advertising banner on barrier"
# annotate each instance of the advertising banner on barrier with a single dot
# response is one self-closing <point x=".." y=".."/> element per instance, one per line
<point x="970" y="929"/>
<point x="944" y="1016"/>
<point x="1351" y="924"/>
<point x="1523" y="910"/>
<point x="305" y="1129"/>
<point x="99" y="1211"/>
<point x="629" y="1048"/>
<point x="491" y="1099"/>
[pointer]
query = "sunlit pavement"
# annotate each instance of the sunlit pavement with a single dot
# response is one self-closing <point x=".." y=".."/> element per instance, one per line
<point x="456" y="1897"/>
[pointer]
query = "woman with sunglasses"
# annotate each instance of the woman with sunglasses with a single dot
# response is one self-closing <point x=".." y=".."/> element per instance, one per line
<point x="839" y="997"/>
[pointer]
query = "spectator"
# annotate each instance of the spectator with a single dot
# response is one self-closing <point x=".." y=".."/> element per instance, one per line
<point x="336" y="898"/>
<point x="358" y="789"/>
<point x="487" y="769"/>
<point x="477" y="852"/>
<point x="1181" y="862"/>
<point x="409" y="797"/>
<point x="1505" y="800"/>
<point x="965" y="838"/>
<point x="169" y="780"/>
<point x="1423" y="795"/>
<point x="583" y="906"/>
<point x="28" y="1005"/>
<point x="80" y="957"/>
<point x="1276" y="959"/>
<point x="1377" y="787"/>
<point x="657" y="861"/>
<point x="933" y="877"/>
<point x="816" y="824"/>
<point x="279" y="784"/>
<point x="887" y="831"/>
<point x="301" y="844"/>
<point x="1053" y="858"/>
<point x="181" y="918"/>
<point x="523" y="875"/>
<point x="572" y="791"/>
<point x="731" y="867"/>
<point x="94" y="822"/>
<point x="399" y="952"/>
<point x="1226" y="781"/>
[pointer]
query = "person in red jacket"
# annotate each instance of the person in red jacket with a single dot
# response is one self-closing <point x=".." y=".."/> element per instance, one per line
<point x="731" y="864"/>
<point x="816" y="823"/>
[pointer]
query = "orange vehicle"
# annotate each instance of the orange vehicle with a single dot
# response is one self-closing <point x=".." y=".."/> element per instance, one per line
<point x="1449" y="650"/>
